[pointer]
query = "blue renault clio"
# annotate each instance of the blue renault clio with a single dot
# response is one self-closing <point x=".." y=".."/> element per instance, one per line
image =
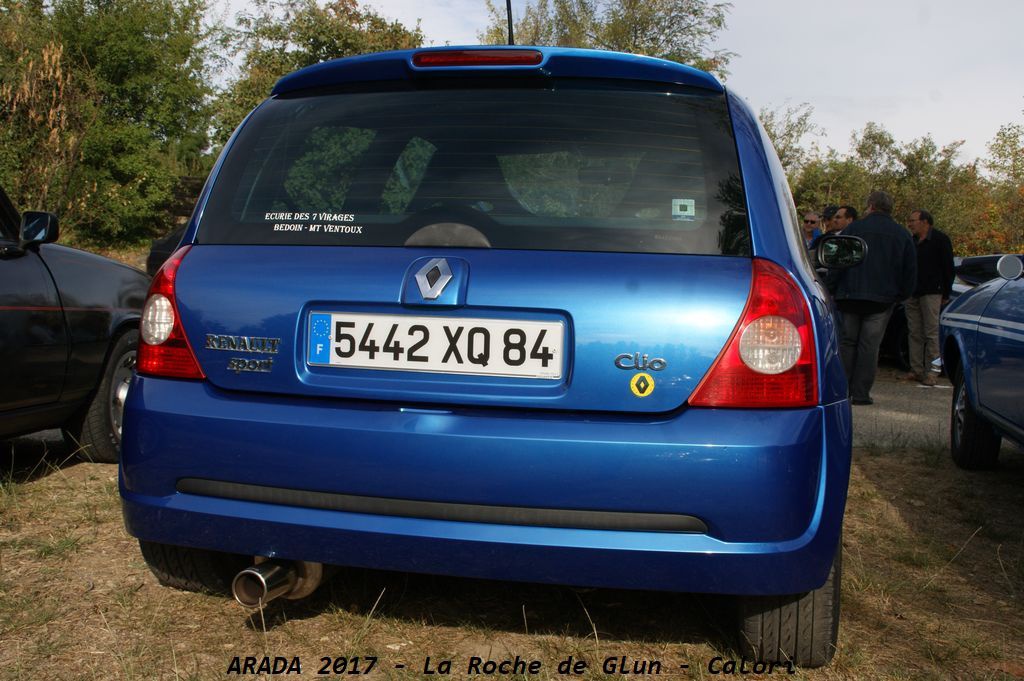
<point x="512" y="313"/>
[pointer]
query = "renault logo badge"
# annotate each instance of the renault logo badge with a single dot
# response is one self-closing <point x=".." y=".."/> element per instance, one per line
<point x="642" y="385"/>
<point x="433" y="277"/>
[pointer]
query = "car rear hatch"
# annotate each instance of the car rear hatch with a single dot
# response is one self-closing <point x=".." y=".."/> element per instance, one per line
<point x="523" y="241"/>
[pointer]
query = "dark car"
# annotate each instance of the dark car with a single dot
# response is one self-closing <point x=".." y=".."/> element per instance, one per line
<point x="895" y="345"/>
<point x="161" y="249"/>
<point x="970" y="272"/>
<point x="982" y="337"/>
<point x="977" y="269"/>
<point x="529" y="314"/>
<point x="68" y="335"/>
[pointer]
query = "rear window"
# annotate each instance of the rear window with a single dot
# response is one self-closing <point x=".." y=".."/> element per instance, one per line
<point x="572" y="165"/>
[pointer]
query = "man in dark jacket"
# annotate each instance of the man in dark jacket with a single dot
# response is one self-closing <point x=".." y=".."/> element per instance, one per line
<point x="842" y="219"/>
<point x="934" y="286"/>
<point x="866" y="294"/>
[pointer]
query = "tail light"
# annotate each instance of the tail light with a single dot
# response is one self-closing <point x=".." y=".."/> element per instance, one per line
<point x="163" y="348"/>
<point x="770" y="359"/>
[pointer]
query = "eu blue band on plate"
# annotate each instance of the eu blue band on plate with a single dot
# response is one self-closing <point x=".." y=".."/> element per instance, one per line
<point x="319" y="338"/>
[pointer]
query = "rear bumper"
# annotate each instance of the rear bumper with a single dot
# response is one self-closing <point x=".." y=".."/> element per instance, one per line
<point x="276" y="474"/>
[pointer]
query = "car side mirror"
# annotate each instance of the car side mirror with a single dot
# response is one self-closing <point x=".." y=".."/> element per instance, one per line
<point x="1010" y="267"/>
<point x="839" y="252"/>
<point x="38" y="227"/>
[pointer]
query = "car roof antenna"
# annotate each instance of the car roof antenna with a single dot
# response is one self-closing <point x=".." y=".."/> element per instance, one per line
<point x="508" y="7"/>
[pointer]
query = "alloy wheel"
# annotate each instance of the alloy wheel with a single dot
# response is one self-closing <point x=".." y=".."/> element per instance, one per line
<point x="119" y="383"/>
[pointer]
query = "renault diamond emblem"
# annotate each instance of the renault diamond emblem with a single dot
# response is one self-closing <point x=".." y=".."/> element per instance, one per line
<point x="642" y="385"/>
<point x="433" y="277"/>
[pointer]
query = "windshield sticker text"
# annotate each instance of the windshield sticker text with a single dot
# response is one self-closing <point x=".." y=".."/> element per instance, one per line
<point x="314" y="222"/>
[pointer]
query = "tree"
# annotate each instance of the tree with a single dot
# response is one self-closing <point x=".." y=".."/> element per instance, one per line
<point x="280" y="37"/>
<point x="148" y="58"/>
<point x="919" y="174"/>
<point x="680" y="30"/>
<point x="1006" y="163"/>
<point x="45" y="111"/>
<point x="1006" y="155"/>
<point x="787" y="128"/>
<point x="105" y="106"/>
<point x="980" y="213"/>
<point x="830" y="179"/>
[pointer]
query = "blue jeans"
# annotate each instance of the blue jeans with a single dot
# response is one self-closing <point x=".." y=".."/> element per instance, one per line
<point x="862" y="336"/>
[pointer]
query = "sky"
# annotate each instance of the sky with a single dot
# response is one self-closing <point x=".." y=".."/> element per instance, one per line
<point x="950" y="68"/>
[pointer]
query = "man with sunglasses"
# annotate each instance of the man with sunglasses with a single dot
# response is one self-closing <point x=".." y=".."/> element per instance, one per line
<point x="812" y="228"/>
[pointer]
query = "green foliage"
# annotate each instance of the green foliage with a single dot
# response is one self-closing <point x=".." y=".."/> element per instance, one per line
<point x="407" y="175"/>
<point x="978" y="212"/>
<point x="1006" y="155"/>
<point x="104" y="108"/>
<point x="787" y="129"/>
<point x="680" y="30"/>
<point x="566" y="184"/>
<point x="280" y="37"/>
<point x="133" y="183"/>
<point x="1006" y="163"/>
<point x="147" y="58"/>
<point x="322" y="175"/>
<point x="45" y="111"/>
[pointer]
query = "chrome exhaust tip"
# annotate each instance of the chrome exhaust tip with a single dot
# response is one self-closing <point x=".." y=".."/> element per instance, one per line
<point x="259" y="584"/>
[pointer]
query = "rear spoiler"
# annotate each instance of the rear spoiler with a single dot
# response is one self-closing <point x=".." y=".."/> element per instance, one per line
<point x="556" y="62"/>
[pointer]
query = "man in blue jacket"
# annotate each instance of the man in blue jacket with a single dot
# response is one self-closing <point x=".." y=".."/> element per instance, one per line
<point x="867" y="294"/>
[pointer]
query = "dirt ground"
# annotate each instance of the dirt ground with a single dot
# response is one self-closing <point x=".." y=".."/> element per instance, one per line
<point x="934" y="579"/>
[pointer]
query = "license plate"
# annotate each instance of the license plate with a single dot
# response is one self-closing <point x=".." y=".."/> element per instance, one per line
<point x="491" y="347"/>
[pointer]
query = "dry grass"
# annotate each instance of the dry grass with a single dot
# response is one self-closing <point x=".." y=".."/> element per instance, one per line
<point x="934" y="581"/>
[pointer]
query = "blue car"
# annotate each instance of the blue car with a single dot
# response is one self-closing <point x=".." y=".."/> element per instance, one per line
<point x="982" y="339"/>
<point x="526" y="314"/>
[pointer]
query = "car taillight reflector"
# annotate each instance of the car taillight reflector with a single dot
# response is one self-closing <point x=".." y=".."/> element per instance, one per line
<point x="478" y="58"/>
<point x="164" y="349"/>
<point x="157" y="319"/>
<point x="770" y="345"/>
<point x="770" y="358"/>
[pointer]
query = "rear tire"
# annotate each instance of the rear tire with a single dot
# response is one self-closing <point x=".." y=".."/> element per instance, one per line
<point x="801" y="628"/>
<point x="95" y="432"/>
<point x="973" y="442"/>
<point x="191" y="569"/>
